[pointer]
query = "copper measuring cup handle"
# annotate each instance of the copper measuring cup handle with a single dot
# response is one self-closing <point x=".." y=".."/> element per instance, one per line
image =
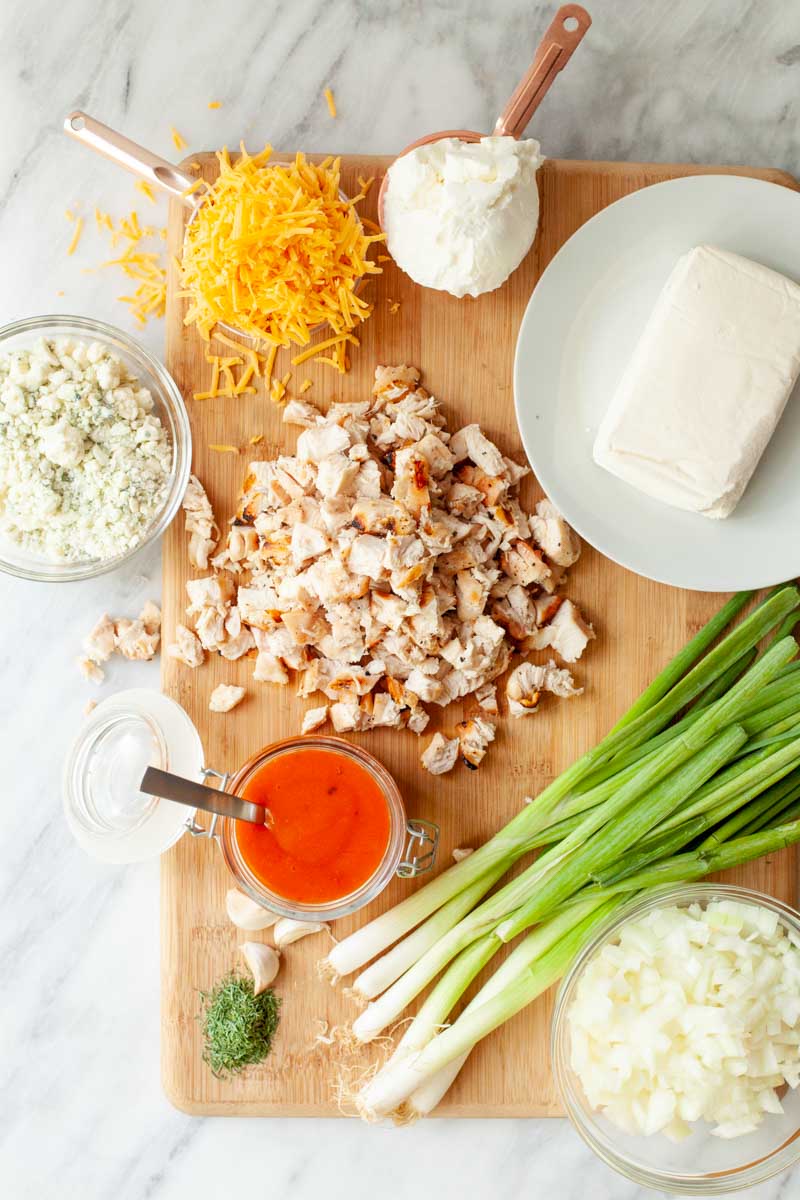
<point x="125" y="153"/>
<point x="552" y="55"/>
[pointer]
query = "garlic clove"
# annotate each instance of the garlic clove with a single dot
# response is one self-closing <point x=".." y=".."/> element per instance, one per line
<point x="246" y="913"/>
<point x="288" y="931"/>
<point x="460" y="854"/>
<point x="264" y="962"/>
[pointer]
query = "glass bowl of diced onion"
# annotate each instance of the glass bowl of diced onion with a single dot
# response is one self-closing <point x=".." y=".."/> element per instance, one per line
<point x="699" y="1159"/>
<point x="167" y="406"/>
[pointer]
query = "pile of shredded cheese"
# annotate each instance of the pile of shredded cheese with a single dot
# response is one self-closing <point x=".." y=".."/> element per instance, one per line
<point x="274" y="251"/>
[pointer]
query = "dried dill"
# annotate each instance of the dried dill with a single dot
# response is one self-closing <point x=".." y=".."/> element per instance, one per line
<point x="238" y="1027"/>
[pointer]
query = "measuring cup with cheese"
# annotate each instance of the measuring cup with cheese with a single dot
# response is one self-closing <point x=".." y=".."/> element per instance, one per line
<point x="460" y="210"/>
<point x="273" y="251"/>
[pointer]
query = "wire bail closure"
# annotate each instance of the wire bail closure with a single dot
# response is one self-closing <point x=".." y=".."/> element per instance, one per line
<point x="421" y="848"/>
<point x="193" y="826"/>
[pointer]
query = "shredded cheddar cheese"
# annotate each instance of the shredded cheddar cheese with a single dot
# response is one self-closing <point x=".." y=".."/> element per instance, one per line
<point x="215" y="104"/>
<point x="76" y="235"/>
<point x="177" y="141"/>
<point x="223" y="449"/>
<point x="258" y="437"/>
<point x="146" y="189"/>
<point x="304" y="386"/>
<point x="274" y="251"/>
<point x="329" y="100"/>
<point x="365" y="184"/>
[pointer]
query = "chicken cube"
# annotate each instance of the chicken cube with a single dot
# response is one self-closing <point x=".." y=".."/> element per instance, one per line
<point x="568" y="633"/>
<point x="474" y="736"/>
<point x="226" y="696"/>
<point x="440" y="755"/>
<point x="554" y="536"/>
<point x="314" y="718"/>
<point x="186" y="648"/>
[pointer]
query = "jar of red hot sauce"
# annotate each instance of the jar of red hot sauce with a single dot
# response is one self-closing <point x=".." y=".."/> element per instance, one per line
<point x="335" y="829"/>
<point x="336" y="833"/>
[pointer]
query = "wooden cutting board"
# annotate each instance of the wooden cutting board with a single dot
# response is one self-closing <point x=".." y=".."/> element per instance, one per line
<point x="465" y="350"/>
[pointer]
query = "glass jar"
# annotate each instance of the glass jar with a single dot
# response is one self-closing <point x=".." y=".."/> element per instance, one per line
<point x="701" y="1165"/>
<point x="112" y="819"/>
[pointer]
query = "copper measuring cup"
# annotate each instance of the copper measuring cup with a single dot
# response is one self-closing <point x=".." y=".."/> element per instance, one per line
<point x="562" y="37"/>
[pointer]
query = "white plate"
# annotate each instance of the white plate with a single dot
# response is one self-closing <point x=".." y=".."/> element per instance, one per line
<point x="579" y="329"/>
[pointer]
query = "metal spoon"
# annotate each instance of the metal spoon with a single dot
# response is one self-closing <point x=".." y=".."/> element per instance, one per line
<point x="562" y="37"/>
<point x="198" y="795"/>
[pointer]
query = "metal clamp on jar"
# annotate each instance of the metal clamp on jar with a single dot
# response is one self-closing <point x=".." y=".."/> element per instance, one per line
<point x="140" y="736"/>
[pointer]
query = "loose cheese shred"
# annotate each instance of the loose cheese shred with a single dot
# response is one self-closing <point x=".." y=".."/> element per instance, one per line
<point x="394" y="305"/>
<point x="365" y="184"/>
<point x="315" y="350"/>
<point x="198" y="183"/>
<point x="177" y="140"/>
<point x="146" y="189"/>
<point x="304" y="386"/>
<point x="76" y="236"/>
<point x="215" y="104"/>
<point x="223" y="449"/>
<point x="274" y="252"/>
<point x="330" y="101"/>
<point x="384" y="258"/>
<point x="258" y="437"/>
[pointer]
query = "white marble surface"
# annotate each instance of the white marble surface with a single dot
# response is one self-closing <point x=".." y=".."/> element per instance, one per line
<point x="705" y="80"/>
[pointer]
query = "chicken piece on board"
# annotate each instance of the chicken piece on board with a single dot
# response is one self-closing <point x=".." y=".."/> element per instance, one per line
<point x="440" y="755"/>
<point x="226" y="696"/>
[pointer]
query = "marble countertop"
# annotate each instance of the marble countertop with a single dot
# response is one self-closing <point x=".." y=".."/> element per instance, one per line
<point x="698" y="80"/>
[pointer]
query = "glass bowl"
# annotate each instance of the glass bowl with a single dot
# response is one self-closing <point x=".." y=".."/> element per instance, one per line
<point x="345" y="905"/>
<point x="701" y="1165"/>
<point x="168" y="406"/>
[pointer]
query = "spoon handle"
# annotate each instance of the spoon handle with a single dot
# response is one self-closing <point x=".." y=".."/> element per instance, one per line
<point x="125" y="153"/>
<point x="197" y="795"/>
<point x="561" y="39"/>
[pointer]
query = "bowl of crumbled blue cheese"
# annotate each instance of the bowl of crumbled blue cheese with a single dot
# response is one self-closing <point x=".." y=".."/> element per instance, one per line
<point x="95" y="448"/>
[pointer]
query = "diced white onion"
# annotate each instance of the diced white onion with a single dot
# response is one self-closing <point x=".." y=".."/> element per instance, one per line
<point x="690" y="1014"/>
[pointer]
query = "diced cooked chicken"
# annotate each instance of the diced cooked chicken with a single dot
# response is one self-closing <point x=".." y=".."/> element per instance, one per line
<point x="99" y="645"/>
<point x="387" y="563"/>
<point x="418" y="720"/>
<point x="470" y="443"/>
<point x="226" y="696"/>
<point x="150" y="616"/>
<point x="186" y="648"/>
<point x="200" y="524"/>
<point x="314" y="718"/>
<point x="318" y="443"/>
<point x="568" y="634"/>
<point x="553" y="534"/>
<point x="269" y="669"/>
<point x="347" y="716"/>
<point x="300" y="412"/>
<point x="474" y="736"/>
<point x="133" y="641"/>
<point x="527" y="682"/>
<point x="486" y="696"/>
<point x="90" y="670"/>
<point x="525" y="565"/>
<point x="440" y="755"/>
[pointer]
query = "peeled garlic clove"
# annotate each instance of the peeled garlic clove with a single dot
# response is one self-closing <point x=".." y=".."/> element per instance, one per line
<point x="264" y="961"/>
<point x="288" y="931"/>
<point x="460" y="854"/>
<point x="246" y="913"/>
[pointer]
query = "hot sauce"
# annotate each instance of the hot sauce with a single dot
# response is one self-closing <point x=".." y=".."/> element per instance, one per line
<point x="328" y="829"/>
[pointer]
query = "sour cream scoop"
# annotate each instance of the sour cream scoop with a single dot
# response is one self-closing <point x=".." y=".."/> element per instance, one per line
<point x="461" y="219"/>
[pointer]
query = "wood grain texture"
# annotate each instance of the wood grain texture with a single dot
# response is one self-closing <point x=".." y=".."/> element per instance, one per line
<point x="465" y="350"/>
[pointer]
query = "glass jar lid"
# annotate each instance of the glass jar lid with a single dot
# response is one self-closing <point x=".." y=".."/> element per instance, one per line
<point x="108" y="814"/>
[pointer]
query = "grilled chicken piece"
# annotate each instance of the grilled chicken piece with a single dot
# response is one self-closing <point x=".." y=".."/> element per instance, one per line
<point x="525" y="565"/>
<point x="440" y="755"/>
<point x="527" y="681"/>
<point x="186" y="648"/>
<point x="486" y="696"/>
<point x="200" y="524"/>
<point x="318" y="443"/>
<point x="226" y="696"/>
<point x="474" y="736"/>
<point x="553" y="534"/>
<point x="99" y="645"/>
<point x="314" y="718"/>
<point x="382" y="516"/>
<point x="568" y="634"/>
<point x="470" y="443"/>
<point x="269" y="669"/>
<point x="132" y="640"/>
<point x="300" y="412"/>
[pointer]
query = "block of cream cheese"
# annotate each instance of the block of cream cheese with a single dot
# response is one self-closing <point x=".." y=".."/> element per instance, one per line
<point x="707" y="383"/>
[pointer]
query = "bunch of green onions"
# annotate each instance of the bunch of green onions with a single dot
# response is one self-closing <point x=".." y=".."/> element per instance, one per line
<point x="702" y="773"/>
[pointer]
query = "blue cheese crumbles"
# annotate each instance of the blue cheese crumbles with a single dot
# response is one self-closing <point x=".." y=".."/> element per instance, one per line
<point x="84" y="461"/>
